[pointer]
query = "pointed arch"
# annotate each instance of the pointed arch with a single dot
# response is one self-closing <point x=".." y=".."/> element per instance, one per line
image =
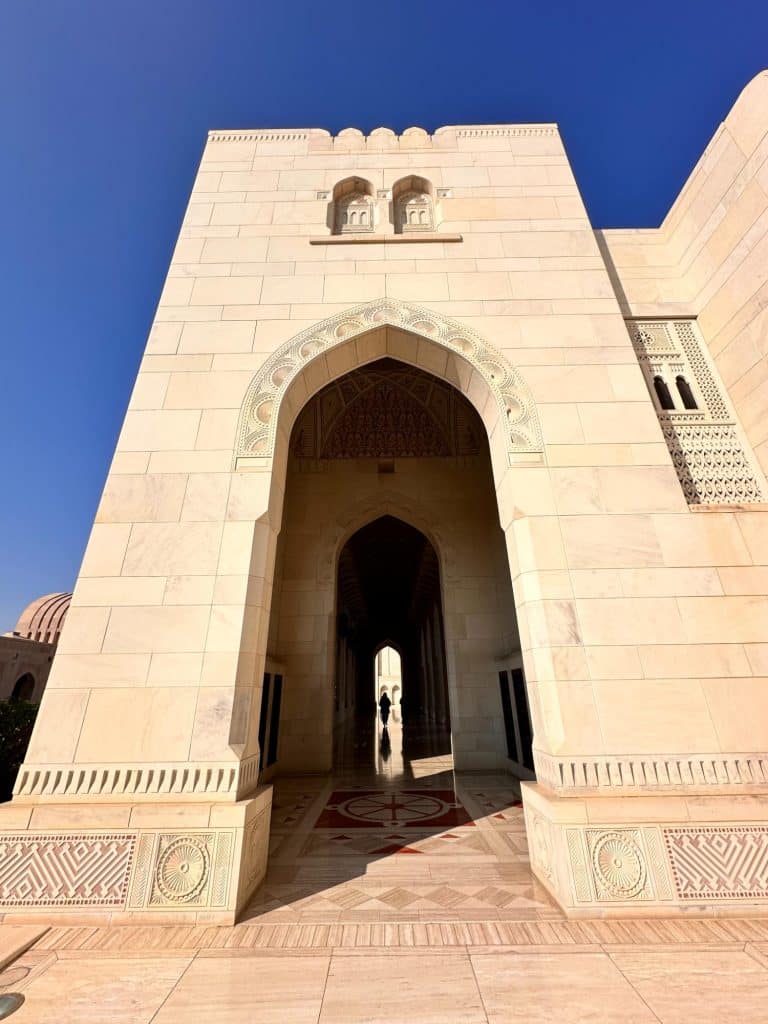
<point x="480" y="371"/>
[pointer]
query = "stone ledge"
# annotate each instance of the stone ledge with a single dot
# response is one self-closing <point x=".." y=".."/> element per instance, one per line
<point x="426" y="236"/>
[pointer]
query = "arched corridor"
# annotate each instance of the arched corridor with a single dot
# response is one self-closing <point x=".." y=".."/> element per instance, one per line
<point x="389" y="590"/>
<point x="390" y="535"/>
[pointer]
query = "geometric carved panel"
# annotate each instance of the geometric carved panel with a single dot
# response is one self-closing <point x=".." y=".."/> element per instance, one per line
<point x="65" y="870"/>
<point x="729" y="862"/>
<point x="387" y="410"/>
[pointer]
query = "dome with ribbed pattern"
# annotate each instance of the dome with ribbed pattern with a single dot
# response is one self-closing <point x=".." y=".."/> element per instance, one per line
<point x="43" y="619"/>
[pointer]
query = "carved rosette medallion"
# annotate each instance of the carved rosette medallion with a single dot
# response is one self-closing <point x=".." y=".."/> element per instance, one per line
<point x="618" y="865"/>
<point x="182" y="869"/>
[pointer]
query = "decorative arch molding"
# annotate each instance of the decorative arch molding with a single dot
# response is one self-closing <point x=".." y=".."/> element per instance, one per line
<point x="257" y="428"/>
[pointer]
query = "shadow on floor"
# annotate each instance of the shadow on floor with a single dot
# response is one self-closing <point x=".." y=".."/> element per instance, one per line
<point x="394" y="833"/>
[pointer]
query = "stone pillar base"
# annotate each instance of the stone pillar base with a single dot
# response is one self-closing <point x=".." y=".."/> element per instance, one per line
<point x="657" y="855"/>
<point x="196" y="863"/>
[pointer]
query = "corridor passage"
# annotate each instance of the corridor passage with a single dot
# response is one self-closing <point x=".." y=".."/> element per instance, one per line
<point x="395" y="835"/>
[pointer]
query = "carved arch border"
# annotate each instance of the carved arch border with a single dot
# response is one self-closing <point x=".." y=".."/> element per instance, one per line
<point x="257" y="428"/>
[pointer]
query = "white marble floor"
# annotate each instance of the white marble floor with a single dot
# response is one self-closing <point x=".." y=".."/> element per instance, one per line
<point x="398" y="892"/>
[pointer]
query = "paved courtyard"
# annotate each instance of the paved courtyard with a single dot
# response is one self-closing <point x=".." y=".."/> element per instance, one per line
<point x="398" y="892"/>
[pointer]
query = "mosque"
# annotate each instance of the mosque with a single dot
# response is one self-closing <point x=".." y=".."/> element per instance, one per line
<point x="27" y="651"/>
<point x="401" y="395"/>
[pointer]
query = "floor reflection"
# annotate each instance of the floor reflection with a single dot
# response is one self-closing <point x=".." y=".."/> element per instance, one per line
<point x="397" y="751"/>
<point x="395" y="834"/>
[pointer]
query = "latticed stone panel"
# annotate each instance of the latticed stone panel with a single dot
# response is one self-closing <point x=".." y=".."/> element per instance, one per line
<point x="710" y="456"/>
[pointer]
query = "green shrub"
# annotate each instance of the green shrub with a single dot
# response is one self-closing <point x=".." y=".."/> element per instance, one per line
<point x="16" y="721"/>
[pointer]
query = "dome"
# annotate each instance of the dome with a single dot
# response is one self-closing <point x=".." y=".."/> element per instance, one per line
<point x="43" y="619"/>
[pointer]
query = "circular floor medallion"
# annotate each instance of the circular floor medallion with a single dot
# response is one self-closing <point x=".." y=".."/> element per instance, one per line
<point x="393" y="808"/>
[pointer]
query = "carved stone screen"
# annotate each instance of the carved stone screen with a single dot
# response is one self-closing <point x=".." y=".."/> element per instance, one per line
<point x="387" y="410"/>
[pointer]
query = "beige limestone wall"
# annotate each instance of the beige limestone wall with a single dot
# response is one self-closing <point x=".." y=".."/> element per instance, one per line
<point x="709" y="258"/>
<point x="643" y="624"/>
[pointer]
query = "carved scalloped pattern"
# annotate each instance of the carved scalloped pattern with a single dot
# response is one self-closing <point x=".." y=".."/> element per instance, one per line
<point x="258" y="418"/>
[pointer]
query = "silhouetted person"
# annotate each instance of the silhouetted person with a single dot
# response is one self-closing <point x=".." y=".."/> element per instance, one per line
<point x="384" y="705"/>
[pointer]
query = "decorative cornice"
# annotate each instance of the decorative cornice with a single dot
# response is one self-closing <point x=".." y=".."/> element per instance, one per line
<point x="302" y="134"/>
<point x="506" y="131"/>
<point x="247" y="135"/>
<point x="415" y="236"/>
<point x="652" y="771"/>
<point x="131" y="781"/>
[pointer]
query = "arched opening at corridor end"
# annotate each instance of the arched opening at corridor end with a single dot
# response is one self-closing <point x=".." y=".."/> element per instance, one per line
<point x="389" y="592"/>
<point x="388" y="674"/>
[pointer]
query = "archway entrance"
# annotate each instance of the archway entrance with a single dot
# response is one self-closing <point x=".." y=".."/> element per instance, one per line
<point x="389" y="592"/>
<point x="390" y="537"/>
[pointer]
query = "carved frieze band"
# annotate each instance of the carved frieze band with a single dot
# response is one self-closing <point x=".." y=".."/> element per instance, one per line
<point x="131" y="780"/>
<point x="55" y="870"/>
<point x="719" y="863"/>
<point x="662" y="863"/>
<point x="485" y="132"/>
<point x="657" y="772"/>
<point x="507" y="131"/>
<point x="258" y="418"/>
<point x="257" y="136"/>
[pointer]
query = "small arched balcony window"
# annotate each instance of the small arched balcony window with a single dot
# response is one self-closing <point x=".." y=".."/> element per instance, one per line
<point x="413" y="205"/>
<point x="689" y="400"/>
<point x="24" y="687"/>
<point x="663" y="393"/>
<point x="353" y="206"/>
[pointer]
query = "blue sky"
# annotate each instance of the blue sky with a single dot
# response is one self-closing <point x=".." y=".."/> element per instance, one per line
<point x="105" y="104"/>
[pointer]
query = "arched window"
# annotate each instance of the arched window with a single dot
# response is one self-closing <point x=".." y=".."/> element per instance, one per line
<point x="662" y="393"/>
<point x="353" y="206"/>
<point x="689" y="401"/>
<point x="413" y="205"/>
<point x="24" y="687"/>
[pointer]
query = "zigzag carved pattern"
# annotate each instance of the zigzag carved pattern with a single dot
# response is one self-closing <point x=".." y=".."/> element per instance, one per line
<point x="719" y="863"/>
<point x="65" y="870"/>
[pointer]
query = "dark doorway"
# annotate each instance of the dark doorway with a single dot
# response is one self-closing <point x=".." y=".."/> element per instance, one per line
<point x="24" y="687"/>
<point x="389" y="593"/>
